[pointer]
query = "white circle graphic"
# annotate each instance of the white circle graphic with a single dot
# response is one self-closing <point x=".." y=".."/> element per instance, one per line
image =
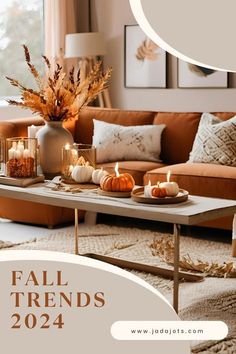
<point x="200" y="32"/>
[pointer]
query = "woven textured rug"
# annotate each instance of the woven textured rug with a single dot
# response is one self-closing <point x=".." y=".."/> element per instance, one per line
<point x="212" y="299"/>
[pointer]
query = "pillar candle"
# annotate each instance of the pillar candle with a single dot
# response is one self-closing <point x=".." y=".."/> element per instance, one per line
<point x="18" y="154"/>
<point x="11" y="154"/>
<point x="20" y="148"/>
<point x="32" y="130"/>
<point x="26" y="154"/>
<point x="148" y="190"/>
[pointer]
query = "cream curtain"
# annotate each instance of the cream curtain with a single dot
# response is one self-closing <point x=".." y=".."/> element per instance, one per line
<point x="60" y="18"/>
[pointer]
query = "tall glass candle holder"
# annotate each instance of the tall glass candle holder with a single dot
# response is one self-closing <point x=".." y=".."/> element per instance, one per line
<point x="21" y="157"/>
<point x="2" y="155"/>
<point x="74" y="155"/>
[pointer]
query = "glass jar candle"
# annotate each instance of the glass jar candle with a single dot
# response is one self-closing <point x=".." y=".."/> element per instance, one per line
<point x="2" y="156"/>
<point x="76" y="155"/>
<point x="21" y="157"/>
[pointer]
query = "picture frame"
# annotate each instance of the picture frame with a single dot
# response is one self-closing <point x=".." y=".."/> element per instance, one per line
<point x="194" y="76"/>
<point x="145" y="61"/>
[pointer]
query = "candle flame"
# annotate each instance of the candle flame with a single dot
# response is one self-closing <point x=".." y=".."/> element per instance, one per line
<point x="117" y="170"/>
<point x="168" y="176"/>
<point x="149" y="183"/>
<point x="67" y="146"/>
<point x="74" y="152"/>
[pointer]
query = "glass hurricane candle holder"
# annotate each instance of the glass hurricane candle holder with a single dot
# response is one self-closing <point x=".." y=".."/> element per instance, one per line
<point x="2" y="155"/>
<point x="74" y="155"/>
<point x="21" y="157"/>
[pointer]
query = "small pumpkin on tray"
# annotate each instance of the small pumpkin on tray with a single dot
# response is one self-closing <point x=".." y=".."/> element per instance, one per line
<point x="98" y="175"/>
<point x="124" y="182"/>
<point x="119" y="185"/>
<point x="82" y="172"/>
<point x="159" y="192"/>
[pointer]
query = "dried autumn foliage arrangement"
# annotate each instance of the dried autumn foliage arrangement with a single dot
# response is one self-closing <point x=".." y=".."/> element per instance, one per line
<point x="59" y="98"/>
<point x="164" y="248"/>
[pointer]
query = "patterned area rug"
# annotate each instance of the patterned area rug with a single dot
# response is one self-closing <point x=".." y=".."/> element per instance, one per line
<point x="212" y="299"/>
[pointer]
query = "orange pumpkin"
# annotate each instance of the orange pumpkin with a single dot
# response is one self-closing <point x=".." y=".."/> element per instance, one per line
<point x="122" y="183"/>
<point x="158" y="192"/>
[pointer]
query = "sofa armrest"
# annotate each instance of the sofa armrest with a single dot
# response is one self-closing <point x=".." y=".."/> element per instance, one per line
<point x="19" y="127"/>
<point x="7" y="130"/>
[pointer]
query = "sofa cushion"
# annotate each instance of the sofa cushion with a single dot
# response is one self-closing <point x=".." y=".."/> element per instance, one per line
<point x="84" y="124"/>
<point x="207" y="180"/>
<point x="136" y="168"/>
<point x="179" y="135"/>
<point x="215" y="141"/>
<point x="117" y="142"/>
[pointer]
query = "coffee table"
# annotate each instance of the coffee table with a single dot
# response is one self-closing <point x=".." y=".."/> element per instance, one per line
<point x="194" y="211"/>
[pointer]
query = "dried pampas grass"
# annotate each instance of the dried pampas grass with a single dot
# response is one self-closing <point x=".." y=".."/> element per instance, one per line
<point x="164" y="248"/>
<point x="57" y="97"/>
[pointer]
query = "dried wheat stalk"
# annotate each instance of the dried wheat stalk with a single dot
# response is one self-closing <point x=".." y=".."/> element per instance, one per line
<point x="119" y="245"/>
<point x="164" y="248"/>
<point x="59" y="98"/>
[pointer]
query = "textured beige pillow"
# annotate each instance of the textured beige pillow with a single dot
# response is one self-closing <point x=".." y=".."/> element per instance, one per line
<point x="117" y="142"/>
<point x="215" y="141"/>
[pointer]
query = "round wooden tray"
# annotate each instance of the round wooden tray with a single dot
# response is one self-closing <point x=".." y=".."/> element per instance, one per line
<point x="114" y="194"/>
<point x="138" y="196"/>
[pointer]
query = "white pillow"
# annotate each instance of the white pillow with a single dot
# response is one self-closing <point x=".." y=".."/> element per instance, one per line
<point x="116" y="142"/>
<point x="215" y="141"/>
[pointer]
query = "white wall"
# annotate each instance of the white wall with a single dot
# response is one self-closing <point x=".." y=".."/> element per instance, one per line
<point x="110" y="17"/>
<point x="10" y="112"/>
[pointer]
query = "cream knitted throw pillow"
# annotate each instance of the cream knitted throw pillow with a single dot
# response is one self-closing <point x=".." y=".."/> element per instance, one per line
<point x="215" y="141"/>
<point x="116" y="142"/>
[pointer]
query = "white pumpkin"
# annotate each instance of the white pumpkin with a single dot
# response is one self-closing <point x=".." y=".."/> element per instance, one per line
<point x="98" y="175"/>
<point x="82" y="174"/>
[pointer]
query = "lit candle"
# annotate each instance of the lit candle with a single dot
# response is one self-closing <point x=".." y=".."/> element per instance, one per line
<point x="117" y="170"/>
<point x="11" y="153"/>
<point x="20" y="149"/>
<point x="32" y="130"/>
<point x="26" y="153"/>
<point x="18" y="154"/>
<point x="148" y="190"/>
<point x="172" y="188"/>
<point x="74" y="156"/>
<point x="74" y="153"/>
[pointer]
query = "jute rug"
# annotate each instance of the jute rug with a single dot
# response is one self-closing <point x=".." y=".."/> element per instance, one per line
<point x="212" y="299"/>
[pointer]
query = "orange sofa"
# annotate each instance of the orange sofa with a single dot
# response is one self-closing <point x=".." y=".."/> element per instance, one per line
<point x="177" y="140"/>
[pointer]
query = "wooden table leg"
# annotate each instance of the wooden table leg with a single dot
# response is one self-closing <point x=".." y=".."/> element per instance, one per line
<point x="234" y="237"/>
<point x="76" y="232"/>
<point x="176" y="267"/>
<point x="234" y="248"/>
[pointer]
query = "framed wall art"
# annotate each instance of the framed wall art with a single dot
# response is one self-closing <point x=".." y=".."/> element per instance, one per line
<point x="194" y="76"/>
<point x="145" y="61"/>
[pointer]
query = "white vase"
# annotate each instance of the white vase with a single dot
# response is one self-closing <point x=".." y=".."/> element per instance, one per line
<point x="51" y="138"/>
